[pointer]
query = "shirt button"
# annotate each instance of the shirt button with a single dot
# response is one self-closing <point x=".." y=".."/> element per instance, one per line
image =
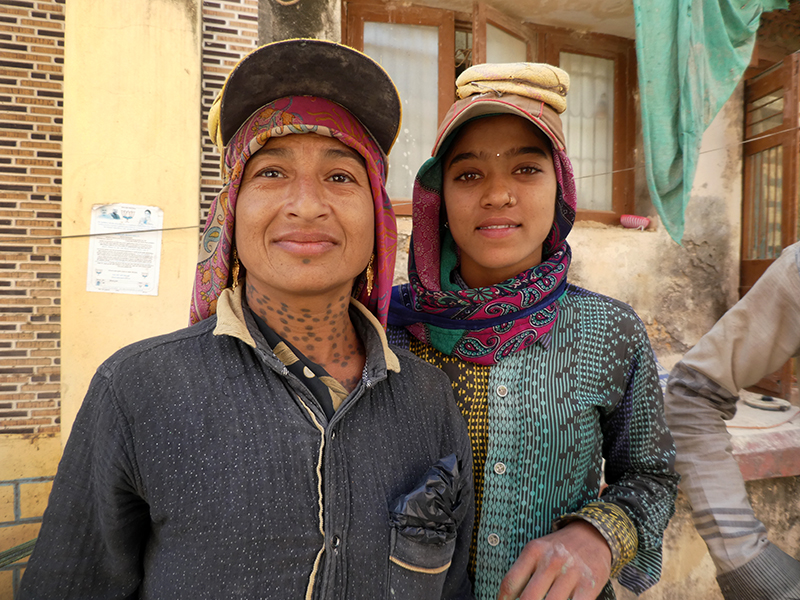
<point x="499" y="468"/>
<point x="335" y="542"/>
<point x="502" y="391"/>
<point x="493" y="539"/>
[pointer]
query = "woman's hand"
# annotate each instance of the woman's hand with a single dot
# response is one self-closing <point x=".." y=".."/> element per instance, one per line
<point x="571" y="563"/>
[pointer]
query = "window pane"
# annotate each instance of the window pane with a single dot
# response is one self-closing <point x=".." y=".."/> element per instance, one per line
<point x="463" y="53"/>
<point x="410" y="54"/>
<point x="765" y="113"/>
<point x="502" y="47"/>
<point x="589" y="127"/>
<point x="766" y="191"/>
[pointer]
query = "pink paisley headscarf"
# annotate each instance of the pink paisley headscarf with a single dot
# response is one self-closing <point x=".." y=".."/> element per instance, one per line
<point x="480" y="325"/>
<point x="287" y="116"/>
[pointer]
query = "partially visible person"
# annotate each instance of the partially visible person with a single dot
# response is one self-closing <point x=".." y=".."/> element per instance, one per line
<point x="552" y="379"/>
<point x="753" y="339"/>
<point x="278" y="448"/>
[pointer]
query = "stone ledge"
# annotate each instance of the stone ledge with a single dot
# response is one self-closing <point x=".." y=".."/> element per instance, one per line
<point x="766" y="444"/>
<point x="768" y="454"/>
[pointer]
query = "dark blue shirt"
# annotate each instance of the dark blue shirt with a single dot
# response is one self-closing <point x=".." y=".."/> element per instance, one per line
<point x="199" y="467"/>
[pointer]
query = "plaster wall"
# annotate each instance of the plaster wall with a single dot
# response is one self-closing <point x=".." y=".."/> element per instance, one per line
<point x="131" y="134"/>
<point x="679" y="291"/>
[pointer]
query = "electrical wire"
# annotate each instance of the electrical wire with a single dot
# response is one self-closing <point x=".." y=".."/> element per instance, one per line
<point x="7" y="238"/>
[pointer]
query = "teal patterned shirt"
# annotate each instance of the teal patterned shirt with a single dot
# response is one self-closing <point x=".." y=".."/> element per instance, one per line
<point x="544" y="420"/>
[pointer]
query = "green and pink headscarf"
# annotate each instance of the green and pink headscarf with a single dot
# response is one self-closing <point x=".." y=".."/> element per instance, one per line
<point x="481" y="325"/>
<point x="487" y="324"/>
<point x="291" y="116"/>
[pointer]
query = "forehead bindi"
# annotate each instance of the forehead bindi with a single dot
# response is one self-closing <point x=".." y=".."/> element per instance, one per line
<point x="504" y="136"/>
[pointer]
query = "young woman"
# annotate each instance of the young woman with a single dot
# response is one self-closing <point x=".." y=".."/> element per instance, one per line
<point x="552" y="379"/>
<point x="269" y="451"/>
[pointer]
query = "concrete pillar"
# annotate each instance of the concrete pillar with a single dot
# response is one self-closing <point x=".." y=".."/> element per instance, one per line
<point x="287" y="19"/>
<point x="132" y="135"/>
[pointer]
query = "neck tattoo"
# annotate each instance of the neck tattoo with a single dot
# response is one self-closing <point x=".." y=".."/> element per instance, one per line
<point x="327" y="338"/>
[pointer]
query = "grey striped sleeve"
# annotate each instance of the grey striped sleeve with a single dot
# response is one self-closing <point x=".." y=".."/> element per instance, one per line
<point x="772" y="575"/>
<point x="695" y="408"/>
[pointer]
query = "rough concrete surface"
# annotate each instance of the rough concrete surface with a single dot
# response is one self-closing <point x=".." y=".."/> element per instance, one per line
<point x="403" y="241"/>
<point x="679" y="291"/>
<point x="286" y="19"/>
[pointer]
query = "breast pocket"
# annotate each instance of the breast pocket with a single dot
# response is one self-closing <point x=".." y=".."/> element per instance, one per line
<point x="417" y="570"/>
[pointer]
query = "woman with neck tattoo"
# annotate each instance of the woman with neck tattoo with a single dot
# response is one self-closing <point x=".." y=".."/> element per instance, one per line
<point x="558" y="384"/>
<point x="277" y="448"/>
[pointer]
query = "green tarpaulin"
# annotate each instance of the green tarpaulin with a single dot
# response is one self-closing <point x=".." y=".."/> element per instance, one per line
<point x="691" y="55"/>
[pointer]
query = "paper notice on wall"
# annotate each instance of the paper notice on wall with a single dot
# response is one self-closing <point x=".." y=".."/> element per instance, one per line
<point x="125" y="249"/>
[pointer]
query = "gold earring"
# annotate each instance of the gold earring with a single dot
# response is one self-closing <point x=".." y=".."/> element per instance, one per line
<point x="370" y="274"/>
<point x="235" y="269"/>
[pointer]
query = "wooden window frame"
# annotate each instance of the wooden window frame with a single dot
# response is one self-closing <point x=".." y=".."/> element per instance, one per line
<point x="483" y="15"/>
<point x="552" y="41"/>
<point x="763" y="77"/>
<point x="544" y="44"/>
<point x="786" y="76"/>
<point x="357" y="12"/>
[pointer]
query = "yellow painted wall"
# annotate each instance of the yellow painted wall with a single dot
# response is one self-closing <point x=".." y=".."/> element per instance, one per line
<point x="27" y="466"/>
<point x="131" y="134"/>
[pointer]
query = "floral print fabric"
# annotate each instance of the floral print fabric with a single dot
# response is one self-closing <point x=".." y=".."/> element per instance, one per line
<point x="289" y="116"/>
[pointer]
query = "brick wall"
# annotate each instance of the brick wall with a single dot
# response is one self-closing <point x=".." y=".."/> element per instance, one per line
<point x="31" y="78"/>
<point x="31" y="81"/>
<point x="230" y="30"/>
